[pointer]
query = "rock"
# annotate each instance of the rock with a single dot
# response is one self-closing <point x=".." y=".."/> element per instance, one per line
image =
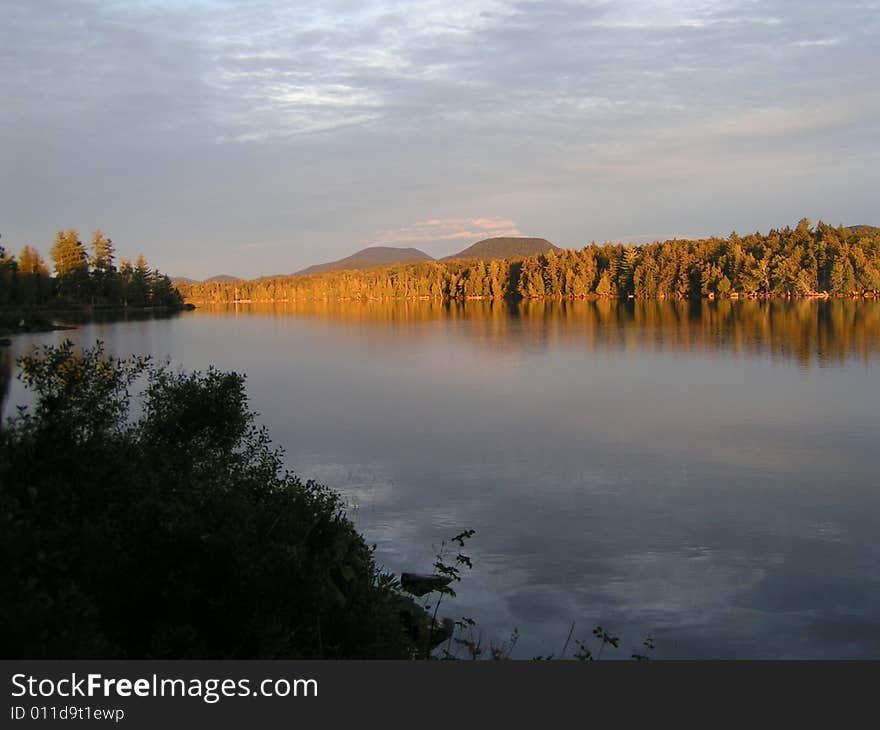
<point x="443" y="631"/>
<point x="416" y="621"/>
<point x="421" y="583"/>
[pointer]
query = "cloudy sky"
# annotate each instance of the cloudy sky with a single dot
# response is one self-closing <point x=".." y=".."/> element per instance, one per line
<point x="260" y="137"/>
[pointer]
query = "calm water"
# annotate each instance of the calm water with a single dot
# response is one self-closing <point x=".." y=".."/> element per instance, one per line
<point x="706" y="474"/>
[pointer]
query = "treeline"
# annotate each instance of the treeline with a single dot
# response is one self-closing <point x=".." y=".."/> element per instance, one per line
<point x="82" y="277"/>
<point x="800" y="261"/>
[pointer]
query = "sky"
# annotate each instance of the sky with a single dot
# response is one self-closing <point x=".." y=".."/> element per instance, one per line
<point x="256" y="138"/>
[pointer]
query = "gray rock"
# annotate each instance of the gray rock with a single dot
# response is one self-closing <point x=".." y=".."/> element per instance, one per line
<point x="421" y="583"/>
<point x="418" y="624"/>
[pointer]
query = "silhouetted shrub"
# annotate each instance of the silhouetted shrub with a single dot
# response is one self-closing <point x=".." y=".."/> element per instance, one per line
<point x="165" y="526"/>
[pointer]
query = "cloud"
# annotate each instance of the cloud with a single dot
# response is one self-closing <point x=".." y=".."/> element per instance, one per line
<point x="195" y="126"/>
<point x="448" y="229"/>
<point x="818" y="42"/>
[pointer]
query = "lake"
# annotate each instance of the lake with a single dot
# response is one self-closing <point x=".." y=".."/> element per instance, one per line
<point x="705" y="473"/>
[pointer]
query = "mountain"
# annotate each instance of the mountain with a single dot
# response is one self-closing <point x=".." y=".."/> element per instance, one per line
<point x="219" y="279"/>
<point x="369" y="257"/>
<point x="504" y="247"/>
<point x="864" y="230"/>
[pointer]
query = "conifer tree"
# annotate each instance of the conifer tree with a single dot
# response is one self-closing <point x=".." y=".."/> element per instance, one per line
<point x="141" y="281"/>
<point x="628" y="263"/>
<point x="603" y="289"/>
<point x="842" y="274"/>
<point x="102" y="252"/>
<point x="30" y="262"/>
<point x="68" y="254"/>
<point x="8" y="271"/>
<point x="71" y="266"/>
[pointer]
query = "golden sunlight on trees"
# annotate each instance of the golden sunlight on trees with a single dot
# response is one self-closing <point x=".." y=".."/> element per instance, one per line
<point x="82" y="280"/>
<point x="68" y="253"/>
<point x="803" y="261"/>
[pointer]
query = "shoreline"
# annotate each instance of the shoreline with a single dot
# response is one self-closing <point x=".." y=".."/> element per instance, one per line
<point x="19" y="320"/>
<point x="733" y="297"/>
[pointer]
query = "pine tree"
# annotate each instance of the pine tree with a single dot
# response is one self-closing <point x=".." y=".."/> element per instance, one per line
<point x="68" y="254"/>
<point x="628" y="263"/>
<point x="30" y="262"/>
<point x="103" y="253"/>
<point x="141" y="282"/>
<point x="551" y="274"/>
<point x="71" y="266"/>
<point x="842" y="275"/>
<point x="8" y="276"/>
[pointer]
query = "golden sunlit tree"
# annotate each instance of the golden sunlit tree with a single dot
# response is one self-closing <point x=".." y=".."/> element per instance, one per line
<point x="102" y="252"/>
<point x="68" y="253"/>
<point x="34" y="284"/>
<point x="30" y="262"/>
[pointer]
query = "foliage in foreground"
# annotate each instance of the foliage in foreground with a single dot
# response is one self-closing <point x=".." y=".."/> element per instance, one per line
<point x="170" y="529"/>
<point x="465" y="640"/>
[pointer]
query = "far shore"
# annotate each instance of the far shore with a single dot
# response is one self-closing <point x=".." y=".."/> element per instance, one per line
<point x="732" y="296"/>
<point x="29" y="320"/>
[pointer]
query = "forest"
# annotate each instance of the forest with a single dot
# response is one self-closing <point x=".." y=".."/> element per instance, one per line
<point x="83" y="277"/>
<point x="805" y="260"/>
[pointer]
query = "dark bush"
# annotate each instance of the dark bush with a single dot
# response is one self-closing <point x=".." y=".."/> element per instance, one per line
<point x="165" y="526"/>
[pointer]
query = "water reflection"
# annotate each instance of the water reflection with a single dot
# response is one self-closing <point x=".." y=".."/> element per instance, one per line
<point x="809" y="331"/>
<point x="113" y="315"/>
<point x="702" y="472"/>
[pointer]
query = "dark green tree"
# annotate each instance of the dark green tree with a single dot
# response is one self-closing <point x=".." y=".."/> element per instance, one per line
<point x="171" y="530"/>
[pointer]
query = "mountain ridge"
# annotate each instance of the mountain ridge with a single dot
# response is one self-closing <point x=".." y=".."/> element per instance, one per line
<point x="504" y="247"/>
<point x="367" y="258"/>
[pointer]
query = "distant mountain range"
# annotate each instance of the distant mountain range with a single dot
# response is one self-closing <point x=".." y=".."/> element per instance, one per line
<point x="864" y="230"/>
<point x="505" y="247"/>
<point x="369" y="257"/>
<point x="489" y="248"/>
<point x="220" y="279"/>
